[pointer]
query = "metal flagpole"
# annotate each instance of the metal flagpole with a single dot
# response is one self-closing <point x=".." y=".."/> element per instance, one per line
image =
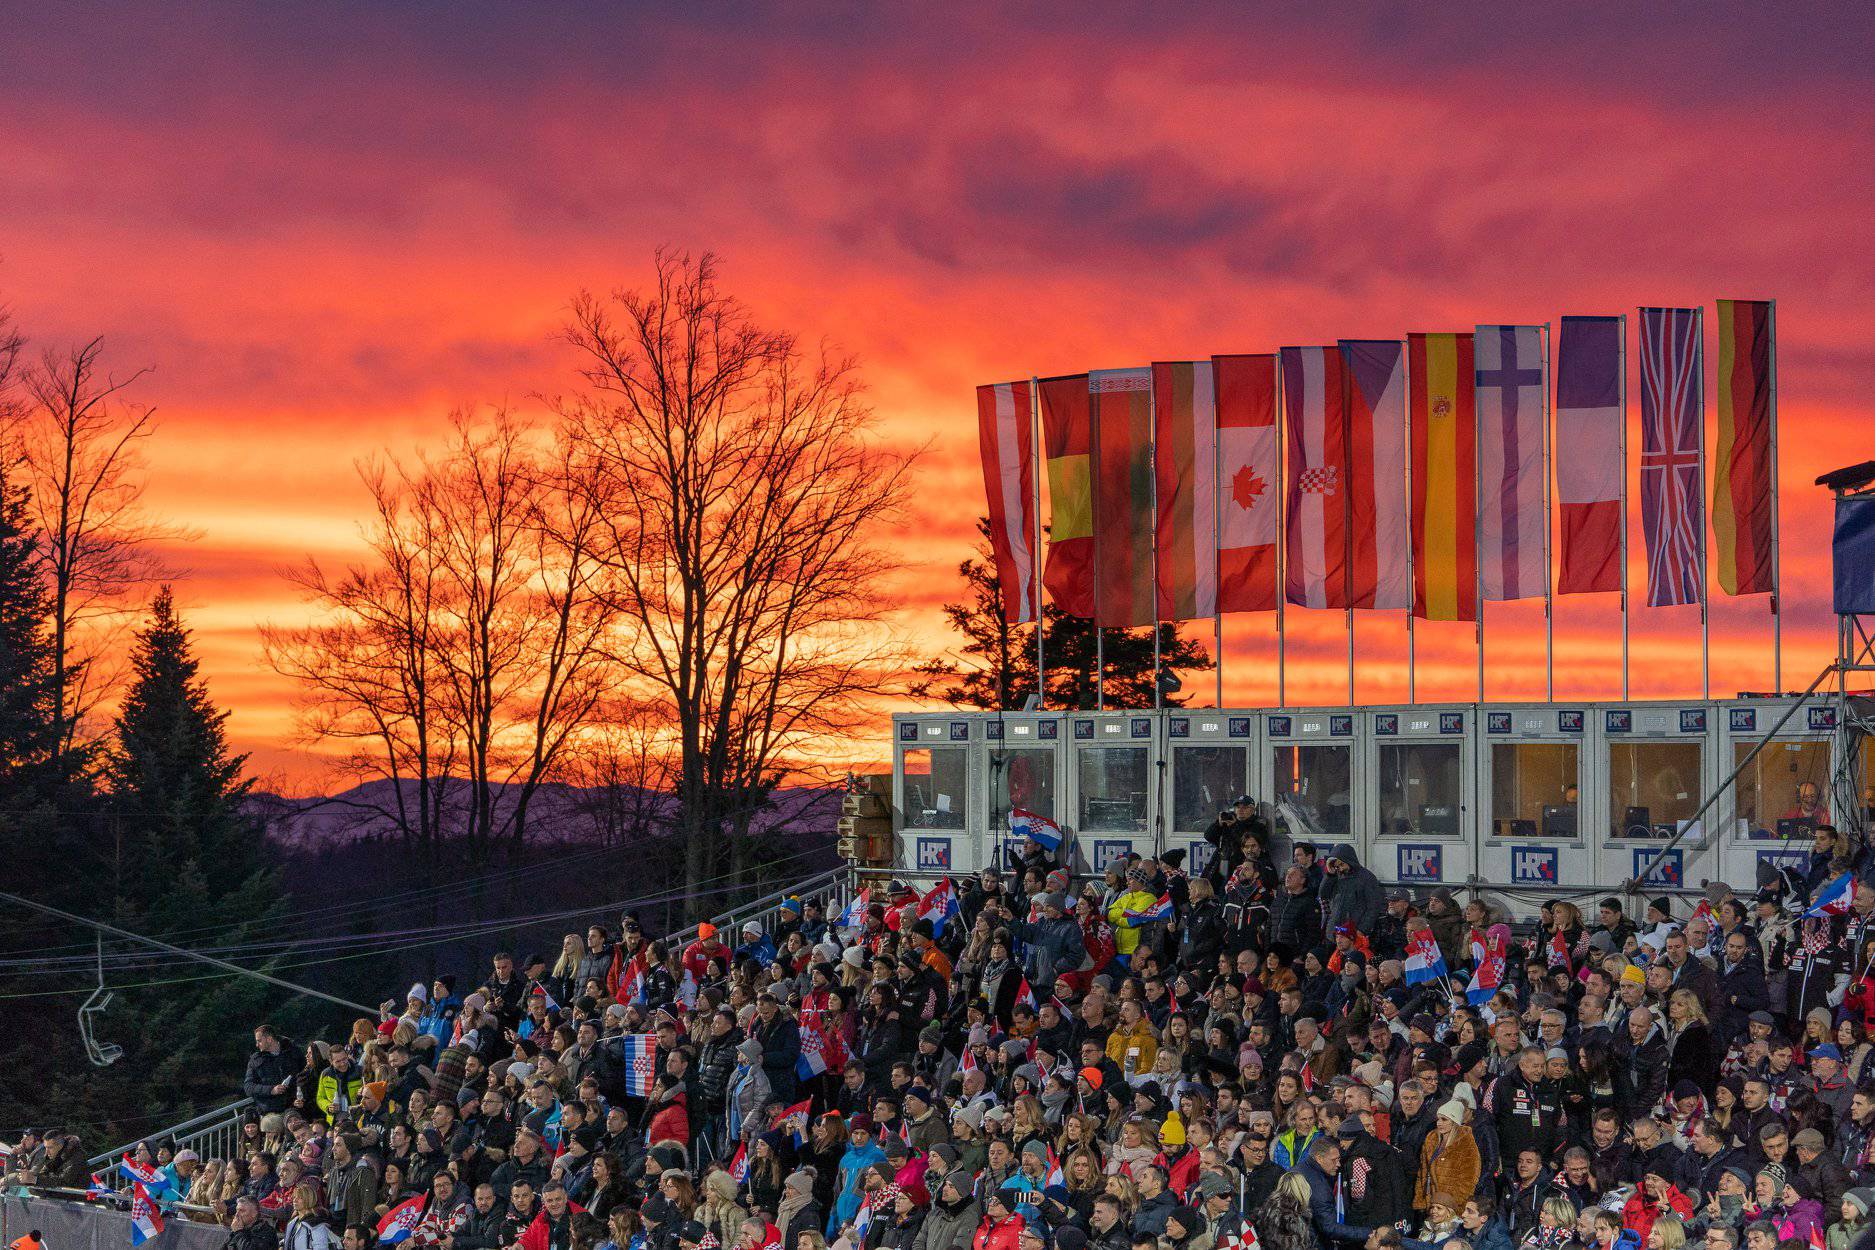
<point x="1705" y="615"/>
<point x="1477" y="523"/>
<point x="1282" y="535"/>
<point x="1035" y="555"/>
<point x="1549" y="579"/>
<point x="1152" y="513"/>
<point x="1217" y="537"/>
<point x="1412" y="683"/>
<point x="1777" y="544"/>
<point x="1350" y="615"/>
<point x="1624" y="507"/>
<point x="1100" y="629"/>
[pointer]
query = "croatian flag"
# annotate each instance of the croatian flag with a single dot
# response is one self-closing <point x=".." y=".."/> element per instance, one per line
<point x="854" y="916"/>
<point x="1486" y="979"/>
<point x="401" y="1220"/>
<point x="144" y="1174"/>
<point x="1040" y="830"/>
<point x="145" y="1220"/>
<point x="1424" y="961"/>
<point x="1559" y="952"/>
<point x="1833" y="899"/>
<point x="97" y="1188"/>
<point x="635" y="985"/>
<point x="938" y="906"/>
<point x="1161" y="910"/>
<point x="739" y="1164"/>
<point x="813" y="1060"/>
<point x="799" y="1113"/>
<point x="862" y="1221"/>
<point x="1025" y="997"/>
<point x="540" y="991"/>
<point x="1054" y="1176"/>
<point x="640" y="1053"/>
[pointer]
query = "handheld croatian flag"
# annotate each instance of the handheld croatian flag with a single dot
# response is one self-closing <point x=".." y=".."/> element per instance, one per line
<point x="1487" y="975"/>
<point x="938" y="906"/>
<point x="400" y="1221"/>
<point x="798" y="1113"/>
<point x="98" y="1189"/>
<point x="739" y="1163"/>
<point x="145" y="1220"/>
<point x="1161" y="910"/>
<point x="1834" y="898"/>
<point x="639" y="1051"/>
<point x="144" y="1174"/>
<point x="853" y="916"/>
<point x="1025" y="997"/>
<point x="1558" y="955"/>
<point x="1424" y="961"/>
<point x="1040" y="830"/>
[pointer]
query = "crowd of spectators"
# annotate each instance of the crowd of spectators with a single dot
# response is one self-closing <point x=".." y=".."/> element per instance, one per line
<point x="1154" y="1060"/>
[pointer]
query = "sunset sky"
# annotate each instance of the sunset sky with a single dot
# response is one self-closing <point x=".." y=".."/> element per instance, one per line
<point x="326" y="225"/>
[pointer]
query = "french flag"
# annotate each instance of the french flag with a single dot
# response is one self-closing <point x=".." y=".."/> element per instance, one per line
<point x="1161" y="910"/>
<point x="1424" y="961"/>
<point x="1834" y="898"/>
<point x="739" y="1165"/>
<point x="1040" y="830"/>
<point x="938" y="906"/>
<point x="854" y="917"/>
<point x="145" y="1220"/>
<point x="401" y="1220"/>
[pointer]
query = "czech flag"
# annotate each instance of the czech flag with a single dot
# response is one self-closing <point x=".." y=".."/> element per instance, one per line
<point x="1424" y="961"/>
<point x="1161" y="910"/>
<point x="401" y="1220"/>
<point x="1040" y="830"/>
<point x="145" y="1220"/>
<point x="938" y="906"/>
<point x="1833" y="899"/>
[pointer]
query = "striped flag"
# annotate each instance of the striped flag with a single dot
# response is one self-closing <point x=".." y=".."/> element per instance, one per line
<point x="1123" y="522"/>
<point x="1672" y="442"/>
<point x="1376" y="459"/>
<point x="1246" y="483"/>
<point x="1040" y="830"/>
<point x="1424" y="960"/>
<point x="1445" y="483"/>
<point x="1590" y="410"/>
<point x="1003" y="434"/>
<point x="1315" y="416"/>
<point x="145" y="1220"/>
<point x="1512" y="379"/>
<point x="1068" y="433"/>
<point x="144" y="1174"/>
<point x="639" y="1051"/>
<point x="739" y="1163"/>
<point x="401" y="1220"/>
<point x="1160" y="910"/>
<point x="1744" y="496"/>
<point x="1185" y="446"/>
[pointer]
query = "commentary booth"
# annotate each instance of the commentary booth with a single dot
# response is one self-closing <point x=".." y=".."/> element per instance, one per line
<point x="1527" y="798"/>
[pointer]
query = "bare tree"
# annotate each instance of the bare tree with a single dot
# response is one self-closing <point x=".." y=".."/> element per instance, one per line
<point x="459" y="663"/>
<point x="742" y="498"/>
<point x="81" y="436"/>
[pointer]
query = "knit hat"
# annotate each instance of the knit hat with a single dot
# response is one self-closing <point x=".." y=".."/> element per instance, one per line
<point x="1037" y="1147"/>
<point x="1187" y="1219"/>
<point x="1092" y="1077"/>
<point x="1862" y="1198"/>
<point x="420" y="992"/>
<point x="1633" y="973"/>
<point x="379" y="1090"/>
<point x="1776" y="1171"/>
<point x="1172" y="1132"/>
<point x="1663" y="905"/>
<point x="706" y="931"/>
<point x="853" y="957"/>
<point x="1453" y="1110"/>
<point x="750" y="1049"/>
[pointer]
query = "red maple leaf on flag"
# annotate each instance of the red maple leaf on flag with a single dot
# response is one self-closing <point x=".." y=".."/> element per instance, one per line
<point x="1248" y="486"/>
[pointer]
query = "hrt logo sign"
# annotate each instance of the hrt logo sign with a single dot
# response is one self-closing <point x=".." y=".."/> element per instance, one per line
<point x="1202" y="853"/>
<point x="1109" y="851"/>
<point x="1658" y="867"/>
<point x="934" y="854"/>
<point x="1419" y="862"/>
<point x="1533" y="865"/>
<point x="1770" y="863"/>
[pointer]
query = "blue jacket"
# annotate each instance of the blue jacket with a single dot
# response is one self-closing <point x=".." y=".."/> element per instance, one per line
<point x="852" y="1165"/>
<point x="1322" y="1208"/>
<point x="1493" y="1236"/>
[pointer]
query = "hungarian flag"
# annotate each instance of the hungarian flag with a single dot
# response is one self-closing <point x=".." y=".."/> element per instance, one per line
<point x="1185" y="454"/>
<point x="1315" y="417"/>
<point x="1512" y="381"/>
<point x="1744" y="496"/>
<point x="1673" y="471"/>
<point x="1247" y="474"/>
<point x="1123" y="521"/>
<point x="1068" y="434"/>
<point x="1445" y="477"/>
<point x="1590" y="413"/>
<point x="1004" y="420"/>
<point x="1376" y="458"/>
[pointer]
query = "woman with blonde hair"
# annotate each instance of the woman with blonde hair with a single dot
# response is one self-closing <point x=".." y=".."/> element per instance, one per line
<point x="1668" y="1233"/>
<point x="719" y="1212"/>
<point x="1121" y="1187"/>
<point x="306" y="1229"/>
<point x="1692" y="1054"/>
<point x="1282" y="1221"/>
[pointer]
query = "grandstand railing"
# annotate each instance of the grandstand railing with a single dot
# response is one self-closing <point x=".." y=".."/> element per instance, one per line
<point x="217" y="1134"/>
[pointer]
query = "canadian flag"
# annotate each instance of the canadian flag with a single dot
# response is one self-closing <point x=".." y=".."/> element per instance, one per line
<point x="1247" y="476"/>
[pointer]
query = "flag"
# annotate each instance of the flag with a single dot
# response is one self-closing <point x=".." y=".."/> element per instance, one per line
<point x="938" y="905"/>
<point x="1068" y="433"/>
<point x="1054" y="1176"/>
<point x="1590" y="413"/>
<point x="1558" y="955"/>
<point x="1123" y="529"/>
<point x="401" y="1220"/>
<point x="97" y="1189"/>
<point x="1816" y="1237"/>
<point x="1852" y="553"/>
<point x="633" y="991"/>
<point x="1161" y="910"/>
<point x="153" y="1178"/>
<point x="640" y="1054"/>
<point x="1834" y="898"/>
<point x="812" y="1060"/>
<point x="1185" y="447"/>
<point x="1445" y="476"/>
<point x="1744" y="496"/>
<point x="1424" y="961"/>
<point x="1672" y="440"/>
<point x="739" y="1163"/>
<point x="145" y="1220"/>
<point x="1007" y="448"/>
<point x="1488" y="956"/>
<point x="1374" y="373"/>
<point x="1512" y="380"/>
<point x="1025" y="997"/>
<point x="802" y="1110"/>
<point x="1315" y="416"/>
<point x="1246" y="484"/>
<point x="853" y="916"/>
<point x="537" y="990"/>
<point x="862" y="1220"/>
<point x="1040" y="830"/>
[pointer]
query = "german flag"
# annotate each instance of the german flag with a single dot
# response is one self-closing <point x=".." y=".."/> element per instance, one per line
<point x="1743" y="494"/>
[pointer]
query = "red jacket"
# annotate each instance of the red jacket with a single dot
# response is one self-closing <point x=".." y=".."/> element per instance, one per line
<point x="1000" y="1234"/>
<point x="671" y="1122"/>
<point x="1642" y="1211"/>
<point x="537" y="1235"/>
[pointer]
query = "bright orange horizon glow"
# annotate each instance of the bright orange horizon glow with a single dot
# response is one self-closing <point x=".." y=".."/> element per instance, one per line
<point x="325" y="228"/>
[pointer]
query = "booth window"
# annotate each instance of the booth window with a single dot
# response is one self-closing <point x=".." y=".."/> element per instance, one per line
<point x="1025" y="778"/>
<point x="1784" y="792"/>
<point x="935" y="790"/>
<point x="1534" y="790"/>
<point x="1113" y="789"/>
<point x="1205" y="779"/>
<point x="1319" y="782"/>
<point x="1652" y="786"/>
<point x="1419" y="789"/>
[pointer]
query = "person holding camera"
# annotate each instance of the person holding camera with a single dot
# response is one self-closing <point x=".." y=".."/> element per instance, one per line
<point x="1227" y="833"/>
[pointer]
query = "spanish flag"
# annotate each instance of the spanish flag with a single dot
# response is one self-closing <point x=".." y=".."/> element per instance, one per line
<point x="1743" y="494"/>
<point x="1442" y="414"/>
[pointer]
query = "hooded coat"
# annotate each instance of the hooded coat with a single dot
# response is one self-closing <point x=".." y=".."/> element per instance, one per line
<point x="1356" y="900"/>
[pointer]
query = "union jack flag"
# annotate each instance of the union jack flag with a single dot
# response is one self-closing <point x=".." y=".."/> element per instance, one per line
<point x="1673" y="475"/>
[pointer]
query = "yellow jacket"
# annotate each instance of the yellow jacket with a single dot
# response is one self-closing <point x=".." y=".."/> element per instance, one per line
<point x="1125" y="936"/>
<point x="1139" y="1037"/>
